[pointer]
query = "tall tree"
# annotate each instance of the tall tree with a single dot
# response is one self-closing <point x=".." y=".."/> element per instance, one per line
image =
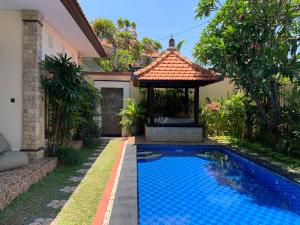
<point x="254" y="42"/>
<point x="122" y="43"/>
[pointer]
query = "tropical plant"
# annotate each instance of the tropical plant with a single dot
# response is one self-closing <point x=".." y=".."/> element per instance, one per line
<point x="61" y="81"/>
<point x="71" y="100"/>
<point x="133" y="116"/>
<point x="179" y="45"/>
<point x="227" y="117"/>
<point x="256" y="44"/>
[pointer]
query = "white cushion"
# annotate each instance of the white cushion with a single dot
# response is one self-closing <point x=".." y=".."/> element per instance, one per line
<point x="12" y="160"/>
<point x="4" y="145"/>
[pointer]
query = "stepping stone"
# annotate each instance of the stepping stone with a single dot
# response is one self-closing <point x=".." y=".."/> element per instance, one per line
<point x="82" y="170"/>
<point x="92" y="158"/>
<point x="75" y="179"/>
<point x="55" y="204"/>
<point x="42" y="221"/>
<point x="88" y="164"/>
<point x="67" y="189"/>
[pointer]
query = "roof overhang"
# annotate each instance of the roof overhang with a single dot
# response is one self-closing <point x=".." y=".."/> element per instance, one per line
<point x="66" y="17"/>
<point x="172" y="83"/>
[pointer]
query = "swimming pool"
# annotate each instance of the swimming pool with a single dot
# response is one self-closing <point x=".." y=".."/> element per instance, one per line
<point x="193" y="184"/>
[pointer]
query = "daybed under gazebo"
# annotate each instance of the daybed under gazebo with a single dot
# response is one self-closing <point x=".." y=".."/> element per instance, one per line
<point x="173" y="70"/>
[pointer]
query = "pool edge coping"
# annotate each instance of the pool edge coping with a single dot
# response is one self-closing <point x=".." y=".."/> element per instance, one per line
<point x="279" y="169"/>
<point x="125" y="204"/>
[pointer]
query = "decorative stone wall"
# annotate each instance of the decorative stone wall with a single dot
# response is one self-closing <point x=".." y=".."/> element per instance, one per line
<point x="15" y="182"/>
<point x="174" y="134"/>
<point x="33" y="104"/>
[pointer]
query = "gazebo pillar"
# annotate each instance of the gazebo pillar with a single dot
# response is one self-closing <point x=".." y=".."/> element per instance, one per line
<point x="186" y="100"/>
<point x="151" y="103"/>
<point x="196" y="105"/>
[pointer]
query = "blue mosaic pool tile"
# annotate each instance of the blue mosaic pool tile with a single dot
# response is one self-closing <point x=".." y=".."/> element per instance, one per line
<point x="180" y="188"/>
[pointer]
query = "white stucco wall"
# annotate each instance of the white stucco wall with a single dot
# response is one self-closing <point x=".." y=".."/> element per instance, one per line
<point x="223" y="89"/>
<point x="11" y="73"/>
<point x="54" y="43"/>
<point x="11" y="70"/>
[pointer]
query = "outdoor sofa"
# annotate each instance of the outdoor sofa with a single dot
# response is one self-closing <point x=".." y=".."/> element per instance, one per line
<point x="10" y="159"/>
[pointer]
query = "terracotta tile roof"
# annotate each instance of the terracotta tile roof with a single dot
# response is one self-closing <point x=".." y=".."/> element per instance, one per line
<point x="172" y="65"/>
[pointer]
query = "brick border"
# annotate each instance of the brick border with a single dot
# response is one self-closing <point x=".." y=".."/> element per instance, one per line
<point x="24" y="184"/>
<point x="104" y="201"/>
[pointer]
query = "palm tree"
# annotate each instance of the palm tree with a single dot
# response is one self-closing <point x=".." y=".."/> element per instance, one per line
<point x="180" y="44"/>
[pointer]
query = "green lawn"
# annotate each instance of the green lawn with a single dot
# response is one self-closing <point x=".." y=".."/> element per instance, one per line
<point x="32" y="204"/>
<point x="290" y="162"/>
<point x="83" y="203"/>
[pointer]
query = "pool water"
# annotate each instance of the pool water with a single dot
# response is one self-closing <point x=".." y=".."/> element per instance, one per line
<point x="179" y="185"/>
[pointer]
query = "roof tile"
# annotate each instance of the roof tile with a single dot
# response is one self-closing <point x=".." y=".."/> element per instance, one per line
<point x="172" y="65"/>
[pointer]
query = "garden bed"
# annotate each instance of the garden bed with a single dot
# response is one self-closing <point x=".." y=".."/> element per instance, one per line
<point x="44" y="200"/>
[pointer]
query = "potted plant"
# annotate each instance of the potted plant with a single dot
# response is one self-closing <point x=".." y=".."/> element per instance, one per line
<point x="133" y="116"/>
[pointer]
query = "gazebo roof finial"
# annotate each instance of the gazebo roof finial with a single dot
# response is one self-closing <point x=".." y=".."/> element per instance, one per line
<point x="172" y="42"/>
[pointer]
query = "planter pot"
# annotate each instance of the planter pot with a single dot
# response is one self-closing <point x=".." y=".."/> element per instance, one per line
<point x="125" y="132"/>
<point x="76" y="144"/>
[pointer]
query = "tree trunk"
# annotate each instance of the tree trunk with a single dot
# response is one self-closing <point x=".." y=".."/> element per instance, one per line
<point x="115" y="60"/>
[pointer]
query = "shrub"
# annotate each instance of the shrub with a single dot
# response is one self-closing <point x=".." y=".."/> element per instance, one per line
<point x="68" y="156"/>
<point x="226" y="117"/>
<point x="91" y="99"/>
<point x="91" y="142"/>
<point x="213" y="117"/>
<point x="290" y="129"/>
<point x="235" y="115"/>
<point x="62" y="80"/>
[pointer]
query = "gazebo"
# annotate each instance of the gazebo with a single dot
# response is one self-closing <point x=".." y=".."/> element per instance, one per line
<point x="173" y="70"/>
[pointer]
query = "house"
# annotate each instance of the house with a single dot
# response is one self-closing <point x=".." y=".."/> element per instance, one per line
<point x="31" y="30"/>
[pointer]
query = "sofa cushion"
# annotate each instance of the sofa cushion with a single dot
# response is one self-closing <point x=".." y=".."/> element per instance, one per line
<point x="4" y="145"/>
<point x="12" y="160"/>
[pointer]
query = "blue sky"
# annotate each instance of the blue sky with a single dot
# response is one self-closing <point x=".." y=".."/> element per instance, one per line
<point x="155" y="18"/>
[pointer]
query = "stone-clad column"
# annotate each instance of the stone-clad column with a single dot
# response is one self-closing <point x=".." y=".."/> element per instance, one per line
<point x="33" y="104"/>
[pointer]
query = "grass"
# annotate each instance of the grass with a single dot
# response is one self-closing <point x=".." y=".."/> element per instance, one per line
<point x="32" y="204"/>
<point x="291" y="163"/>
<point x="83" y="204"/>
